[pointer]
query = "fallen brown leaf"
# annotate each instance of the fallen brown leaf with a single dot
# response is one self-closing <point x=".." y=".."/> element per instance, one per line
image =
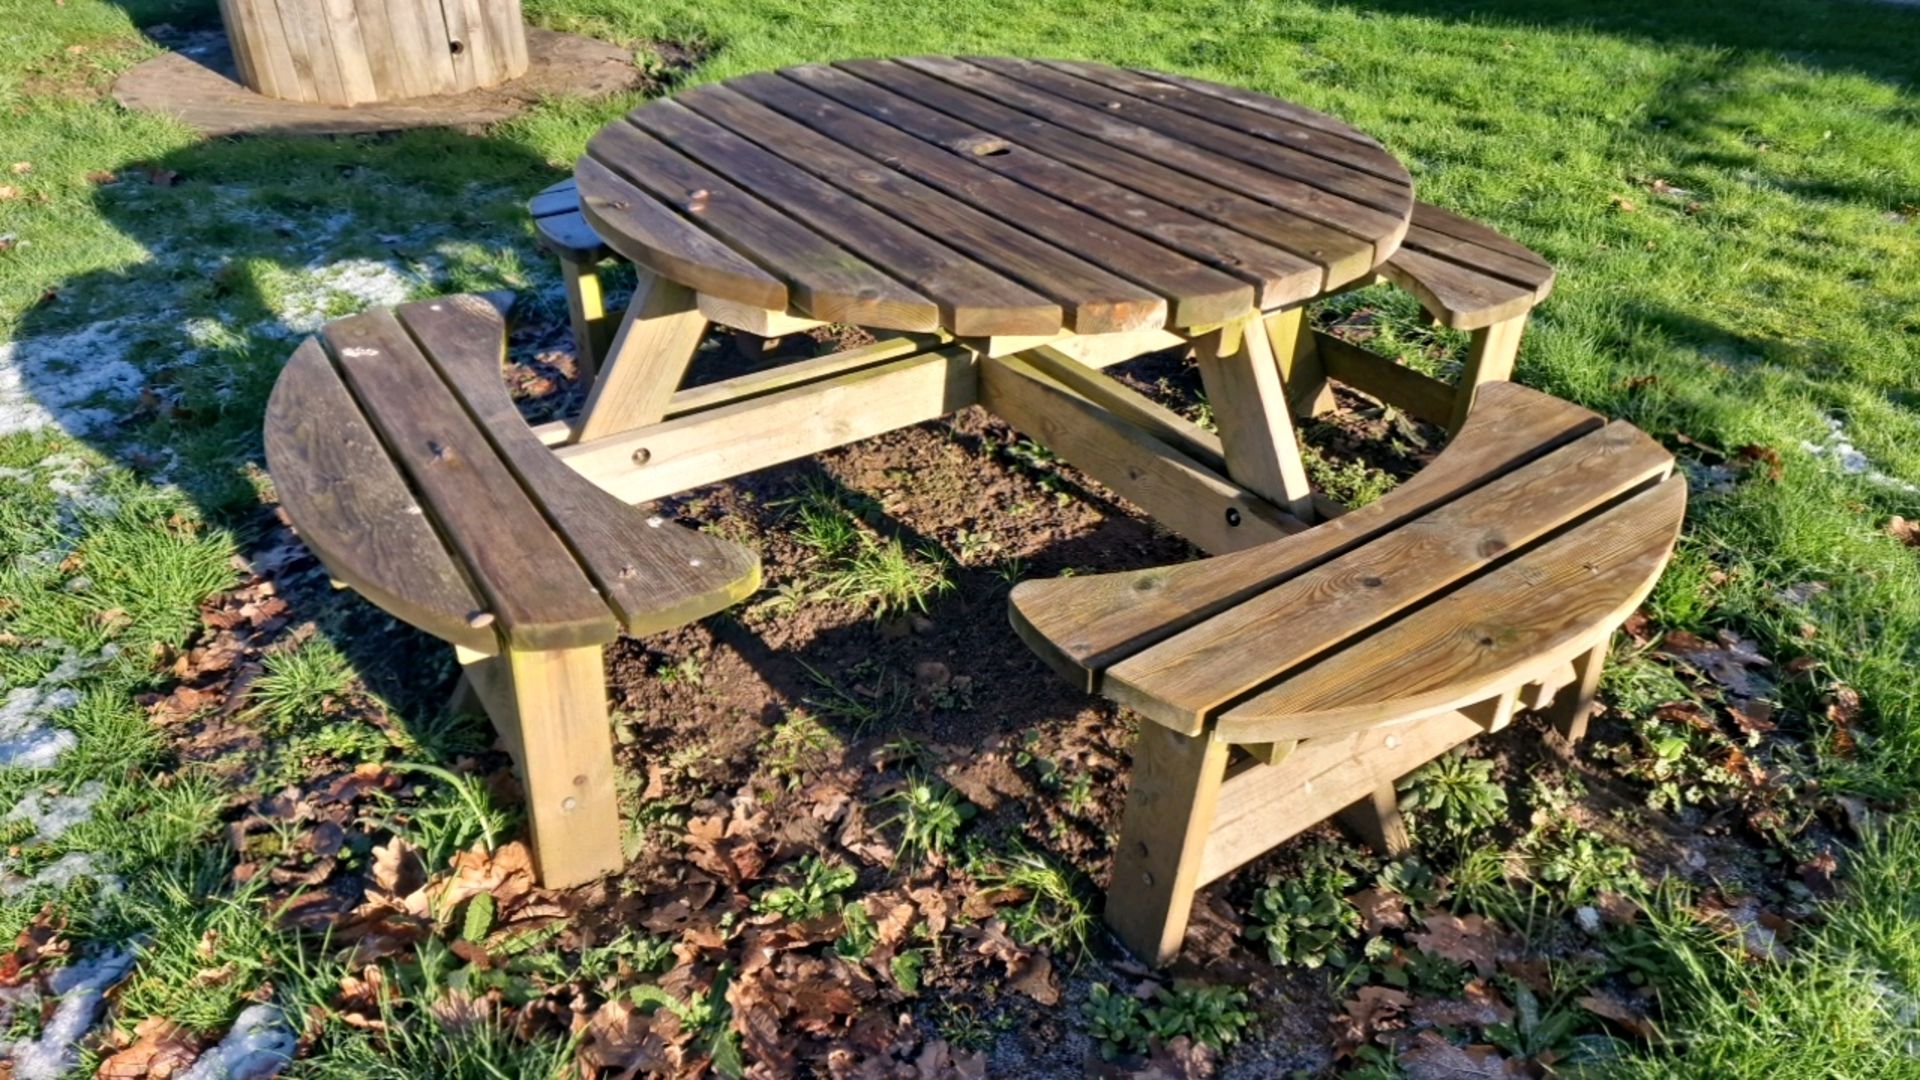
<point x="161" y="1050"/>
<point x="1907" y="532"/>
<point x="1631" y="1015"/>
<point x="1470" y="940"/>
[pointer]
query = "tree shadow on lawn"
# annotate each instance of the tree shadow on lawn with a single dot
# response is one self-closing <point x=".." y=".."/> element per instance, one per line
<point x="1869" y="37"/>
<point x="164" y="364"/>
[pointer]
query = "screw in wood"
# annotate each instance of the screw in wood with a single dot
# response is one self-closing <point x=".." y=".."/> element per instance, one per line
<point x="569" y="804"/>
<point x="480" y="620"/>
<point x="1233" y="517"/>
<point x="642" y="456"/>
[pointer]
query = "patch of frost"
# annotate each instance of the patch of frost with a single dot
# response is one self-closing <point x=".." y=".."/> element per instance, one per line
<point x="59" y="874"/>
<point x="52" y="815"/>
<point x="57" y="380"/>
<point x="27" y="740"/>
<point x="259" y="1045"/>
<point x="1840" y="449"/>
<point x="82" y="988"/>
<point x="319" y="293"/>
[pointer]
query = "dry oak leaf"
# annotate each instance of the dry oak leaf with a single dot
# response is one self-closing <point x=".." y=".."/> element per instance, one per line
<point x="161" y="1050"/>
<point x="1470" y="940"/>
<point x="1631" y="1015"/>
<point x="1380" y="909"/>
<point x="1373" y="1010"/>
<point x="1434" y="1058"/>
<point x="1907" y="532"/>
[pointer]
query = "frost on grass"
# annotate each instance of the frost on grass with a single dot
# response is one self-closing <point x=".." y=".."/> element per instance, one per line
<point x="259" y="1045"/>
<point x="28" y="738"/>
<point x="1841" y="451"/>
<point x="308" y="298"/>
<point x="57" y="876"/>
<point x="81" y="988"/>
<point x="52" y="815"/>
<point x="67" y="381"/>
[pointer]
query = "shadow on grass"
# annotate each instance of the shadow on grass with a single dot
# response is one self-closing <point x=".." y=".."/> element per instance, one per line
<point x="1870" y="37"/>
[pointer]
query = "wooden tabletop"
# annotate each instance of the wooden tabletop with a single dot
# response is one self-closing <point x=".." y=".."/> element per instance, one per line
<point x="990" y="196"/>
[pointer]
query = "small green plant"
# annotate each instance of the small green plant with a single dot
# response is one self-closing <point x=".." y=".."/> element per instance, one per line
<point x="886" y="578"/>
<point x="1125" y="1025"/>
<point x="452" y="816"/>
<point x="1456" y="795"/>
<point x="797" y="743"/>
<point x="858" y="933"/>
<point x="1585" y="864"/>
<point x="1305" y="919"/>
<point x="1055" y="914"/>
<point x="929" y="815"/>
<point x="817" y="892"/>
<point x="869" y="694"/>
<point x="299" y="683"/>
<point x="709" y="1014"/>
<point x="682" y="672"/>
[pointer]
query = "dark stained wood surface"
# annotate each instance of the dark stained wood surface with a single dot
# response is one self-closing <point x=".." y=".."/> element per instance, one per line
<point x="1538" y="537"/>
<point x="1084" y="628"/>
<point x="562" y="229"/>
<point x="654" y="574"/>
<point x="353" y="509"/>
<point x="1466" y="275"/>
<point x="994" y="197"/>
<point x="532" y="584"/>
<point x="404" y="464"/>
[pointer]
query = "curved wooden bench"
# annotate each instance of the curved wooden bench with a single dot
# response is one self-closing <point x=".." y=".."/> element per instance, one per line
<point x="1466" y="277"/>
<point x="404" y="465"/>
<point x="563" y="230"/>
<point x="1346" y="656"/>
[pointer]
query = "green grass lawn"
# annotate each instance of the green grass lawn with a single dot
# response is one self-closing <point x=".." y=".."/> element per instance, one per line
<point x="1731" y="195"/>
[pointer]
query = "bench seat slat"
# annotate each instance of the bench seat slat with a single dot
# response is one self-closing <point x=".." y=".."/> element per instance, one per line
<point x="537" y="592"/>
<point x="654" y="574"/>
<point x="1483" y="636"/>
<point x="353" y="508"/>
<point x="1083" y="625"/>
<point x="1183" y="680"/>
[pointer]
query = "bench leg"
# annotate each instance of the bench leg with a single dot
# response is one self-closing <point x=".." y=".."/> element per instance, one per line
<point x="587" y="310"/>
<point x="1156" y="865"/>
<point x="1573" y="705"/>
<point x="1375" y="821"/>
<point x="1301" y="373"/>
<point x="1490" y="355"/>
<point x="550" y="709"/>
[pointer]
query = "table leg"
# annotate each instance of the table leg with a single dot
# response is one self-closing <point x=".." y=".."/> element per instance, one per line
<point x="1242" y="380"/>
<point x="649" y="356"/>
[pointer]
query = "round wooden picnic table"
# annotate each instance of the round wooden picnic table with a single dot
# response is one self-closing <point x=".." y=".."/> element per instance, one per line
<point x="988" y="196"/>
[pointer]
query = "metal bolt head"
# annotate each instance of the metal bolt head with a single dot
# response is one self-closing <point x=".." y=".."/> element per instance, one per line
<point x="642" y="456"/>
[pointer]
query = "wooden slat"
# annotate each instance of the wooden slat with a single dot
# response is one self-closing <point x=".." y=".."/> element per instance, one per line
<point x="651" y="235"/>
<point x="654" y="574"/>
<point x="1280" y="276"/>
<point x="473" y="62"/>
<point x="723" y="442"/>
<point x="1171" y="802"/>
<point x="1093" y="622"/>
<point x="825" y="279"/>
<point x="1456" y="295"/>
<point x="783" y="116"/>
<point x="559" y="198"/>
<point x="1561" y="596"/>
<point x="352" y="507"/>
<point x="973" y="299"/>
<point x="1240" y="197"/>
<point x="350" y="52"/>
<point x="533" y="586"/>
<point x="1131" y="406"/>
<point x="570" y="239"/>
<point x="1526" y="270"/>
<point x="1288" y="131"/>
<point x="1187" y="678"/>
<point x="1286" y="110"/>
<point x="1349" y="191"/>
<point x="1433" y="219"/>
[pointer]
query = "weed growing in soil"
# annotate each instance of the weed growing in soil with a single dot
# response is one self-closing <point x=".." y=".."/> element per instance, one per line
<point x="929" y="815"/>
<point x="1054" y="912"/>
<point x="817" y="892"/>
<point x="1454" y="794"/>
<point x="1304" y="918"/>
<point x="305" y="681"/>
<point x="1126" y="1026"/>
